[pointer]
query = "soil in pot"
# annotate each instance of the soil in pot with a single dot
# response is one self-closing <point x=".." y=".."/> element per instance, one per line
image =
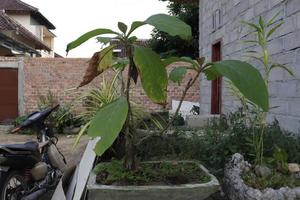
<point x="275" y="180"/>
<point x="160" y="173"/>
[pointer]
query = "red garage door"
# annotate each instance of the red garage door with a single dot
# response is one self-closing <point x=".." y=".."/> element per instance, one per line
<point x="8" y="94"/>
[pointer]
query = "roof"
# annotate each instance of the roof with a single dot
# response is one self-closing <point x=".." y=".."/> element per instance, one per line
<point x="9" y="24"/>
<point x="17" y="6"/>
<point x="11" y="44"/>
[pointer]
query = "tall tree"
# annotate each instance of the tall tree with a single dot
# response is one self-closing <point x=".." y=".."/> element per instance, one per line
<point x="167" y="45"/>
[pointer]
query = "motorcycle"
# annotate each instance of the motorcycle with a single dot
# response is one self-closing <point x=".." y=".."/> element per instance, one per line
<point x="30" y="170"/>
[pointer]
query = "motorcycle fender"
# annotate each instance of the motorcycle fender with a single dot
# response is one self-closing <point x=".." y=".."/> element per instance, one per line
<point x="4" y="169"/>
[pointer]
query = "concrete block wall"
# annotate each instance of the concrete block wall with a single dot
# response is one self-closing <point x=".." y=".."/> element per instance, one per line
<point x="284" y="48"/>
<point x="62" y="75"/>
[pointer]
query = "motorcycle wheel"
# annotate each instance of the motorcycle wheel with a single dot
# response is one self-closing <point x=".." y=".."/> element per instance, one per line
<point x="12" y="184"/>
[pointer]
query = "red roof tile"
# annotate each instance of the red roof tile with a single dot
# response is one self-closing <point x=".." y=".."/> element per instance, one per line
<point x="20" y="6"/>
<point x="16" y="5"/>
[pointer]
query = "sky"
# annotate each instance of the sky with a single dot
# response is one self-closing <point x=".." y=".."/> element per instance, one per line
<point x="73" y="18"/>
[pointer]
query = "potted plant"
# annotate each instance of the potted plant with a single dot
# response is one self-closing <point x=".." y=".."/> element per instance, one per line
<point x="267" y="177"/>
<point x="117" y="116"/>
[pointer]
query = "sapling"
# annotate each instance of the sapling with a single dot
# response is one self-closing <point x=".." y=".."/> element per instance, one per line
<point x="263" y="31"/>
<point x="145" y="64"/>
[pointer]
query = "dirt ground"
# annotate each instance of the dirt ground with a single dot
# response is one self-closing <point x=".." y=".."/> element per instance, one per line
<point x="65" y="144"/>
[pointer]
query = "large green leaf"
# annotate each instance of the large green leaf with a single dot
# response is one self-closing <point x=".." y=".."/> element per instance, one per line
<point x="135" y="25"/>
<point x="171" y="60"/>
<point x="153" y="74"/>
<point x="177" y="74"/>
<point x="171" y="25"/>
<point x="245" y="77"/>
<point x="87" y="36"/>
<point x="108" y="123"/>
<point x="106" y="58"/>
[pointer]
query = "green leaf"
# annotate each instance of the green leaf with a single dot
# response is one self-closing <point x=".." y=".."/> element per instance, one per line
<point x="104" y="40"/>
<point x="105" y="58"/>
<point x="171" y="25"/>
<point x="120" y="63"/>
<point x="284" y="67"/>
<point x="132" y="39"/>
<point x="256" y="58"/>
<point x="122" y="27"/>
<point x="245" y="77"/>
<point x="88" y="36"/>
<point x="153" y="74"/>
<point x="177" y="74"/>
<point x="274" y="29"/>
<point x="258" y="29"/>
<point x="271" y="21"/>
<point x="261" y="23"/>
<point x="135" y="25"/>
<point x="108" y="123"/>
<point x="171" y="60"/>
<point x="80" y="134"/>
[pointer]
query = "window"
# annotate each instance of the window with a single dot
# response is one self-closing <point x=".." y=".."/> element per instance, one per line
<point x="216" y="19"/>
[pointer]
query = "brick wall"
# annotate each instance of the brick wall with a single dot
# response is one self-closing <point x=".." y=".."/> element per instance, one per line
<point x="62" y="75"/>
<point x="284" y="48"/>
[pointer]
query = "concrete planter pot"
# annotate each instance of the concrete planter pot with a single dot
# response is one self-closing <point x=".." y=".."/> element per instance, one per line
<point x="236" y="189"/>
<point x="180" y="192"/>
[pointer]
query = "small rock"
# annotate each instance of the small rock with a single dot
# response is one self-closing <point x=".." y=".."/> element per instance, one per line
<point x="297" y="191"/>
<point x="69" y="130"/>
<point x="246" y="167"/>
<point x="297" y="175"/>
<point x="262" y="171"/>
<point x="293" y="168"/>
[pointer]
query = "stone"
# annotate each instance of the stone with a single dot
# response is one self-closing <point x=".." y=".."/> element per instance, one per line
<point x="69" y="130"/>
<point x="296" y="175"/>
<point x="236" y="189"/>
<point x="293" y="168"/>
<point x="262" y="171"/>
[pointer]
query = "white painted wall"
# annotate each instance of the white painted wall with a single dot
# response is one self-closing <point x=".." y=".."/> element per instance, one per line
<point x="36" y="29"/>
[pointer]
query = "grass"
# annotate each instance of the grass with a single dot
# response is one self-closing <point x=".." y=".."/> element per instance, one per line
<point x="164" y="173"/>
<point x="276" y="180"/>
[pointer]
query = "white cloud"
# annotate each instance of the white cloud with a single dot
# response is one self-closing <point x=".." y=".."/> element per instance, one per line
<point x="73" y="18"/>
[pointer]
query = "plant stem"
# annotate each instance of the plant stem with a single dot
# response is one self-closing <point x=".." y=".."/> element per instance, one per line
<point x="188" y="86"/>
<point x="130" y="154"/>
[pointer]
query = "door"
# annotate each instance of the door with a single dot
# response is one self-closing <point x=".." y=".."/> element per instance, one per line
<point x="8" y="94"/>
<point x="216" y="85"/>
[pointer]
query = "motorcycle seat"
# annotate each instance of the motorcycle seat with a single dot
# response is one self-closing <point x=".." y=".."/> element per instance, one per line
<point x="28" y="146"/>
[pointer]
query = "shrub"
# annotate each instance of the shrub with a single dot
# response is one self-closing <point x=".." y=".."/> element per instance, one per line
<point x="61" y="118"/>
<point x="216" y="143"/>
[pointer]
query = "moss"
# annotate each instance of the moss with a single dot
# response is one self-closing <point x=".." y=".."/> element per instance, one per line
<point x="165" y="173"/>
<point x="275" y="181"/>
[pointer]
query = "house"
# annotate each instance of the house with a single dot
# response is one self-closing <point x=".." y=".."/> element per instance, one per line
<point x="221" y="34"/>
<point x="24" y="31"/>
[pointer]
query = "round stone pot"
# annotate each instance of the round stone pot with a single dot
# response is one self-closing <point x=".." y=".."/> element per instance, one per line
<point x="179" y="192"/>
<point x="236" y="189"/>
